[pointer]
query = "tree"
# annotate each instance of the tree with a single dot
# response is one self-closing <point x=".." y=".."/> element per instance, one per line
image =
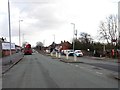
<point x="39" y="45"/>
<point x="108" y="29"/>
<point x="84" y="42"/>
<point x="85" y="38"/>
<point x="23" y="44"/>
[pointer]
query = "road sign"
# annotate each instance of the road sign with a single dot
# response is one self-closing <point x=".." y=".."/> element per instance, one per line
<point x="6" y="46"/>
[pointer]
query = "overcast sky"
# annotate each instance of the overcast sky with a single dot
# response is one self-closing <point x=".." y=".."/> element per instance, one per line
<point x="42" y="19"/>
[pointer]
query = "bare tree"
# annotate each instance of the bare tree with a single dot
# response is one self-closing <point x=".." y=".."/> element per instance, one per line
<point x="109" y="30"/>
<point x="85" y="37"/>
<point x="39" y="45"/>
<point x="103" y="32"/>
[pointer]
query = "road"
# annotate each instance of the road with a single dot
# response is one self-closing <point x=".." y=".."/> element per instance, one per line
<point x="105" y="64"/>
<point x="0" y="73"/>
<point x="38" y="71"/>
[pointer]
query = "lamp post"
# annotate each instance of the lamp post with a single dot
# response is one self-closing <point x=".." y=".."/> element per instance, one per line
<point x="74" y="41"/>
<point x="19" y="33"/>
<point x="73" y="35"/>
<point x="9" y="29"/>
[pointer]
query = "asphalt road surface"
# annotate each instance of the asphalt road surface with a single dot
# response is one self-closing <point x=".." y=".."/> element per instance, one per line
<point x="38" y="71"/>
<point x="105" y="64"/>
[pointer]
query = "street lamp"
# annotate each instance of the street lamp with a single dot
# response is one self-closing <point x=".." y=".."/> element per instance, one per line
<point x="74" y="41"/>
<point x="9" y="29"/>
<point x="73" y="34"/>
<point x="19" y="33"/>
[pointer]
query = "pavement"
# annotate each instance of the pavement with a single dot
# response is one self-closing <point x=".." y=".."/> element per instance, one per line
<point x="14" y="58"/>
<point x="89" y="57"/>
<point x="103" y="58"/>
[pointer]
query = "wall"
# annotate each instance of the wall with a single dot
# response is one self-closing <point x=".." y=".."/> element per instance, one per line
<point x="7" y="52"/>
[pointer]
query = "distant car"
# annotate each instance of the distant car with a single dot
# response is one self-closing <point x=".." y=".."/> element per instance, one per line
<point x="71" y="54"/>
<point x="78" y="53"/>
<point x="66" y="51"/>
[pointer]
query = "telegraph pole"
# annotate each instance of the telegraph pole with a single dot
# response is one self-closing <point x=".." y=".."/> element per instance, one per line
<point x="119" y="22"/>
<point x="20" y="33"/>
<point x="119" y="30"/>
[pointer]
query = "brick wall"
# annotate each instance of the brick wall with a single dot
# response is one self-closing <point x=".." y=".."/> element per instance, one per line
<point x="7" y="52"/>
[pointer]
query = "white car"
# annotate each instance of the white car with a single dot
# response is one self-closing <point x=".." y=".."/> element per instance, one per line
<point x="78" y="53"/>
<point x="67" y="51"/>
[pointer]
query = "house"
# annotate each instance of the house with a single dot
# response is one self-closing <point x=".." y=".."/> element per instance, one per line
<point x="64" y="45"/>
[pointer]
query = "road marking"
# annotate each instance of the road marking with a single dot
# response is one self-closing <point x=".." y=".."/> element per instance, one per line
<point x="100" y="68"/>
<point x="99" y="73"/>
<point x="76" y="65"/>
<point x="90" y="70"/>
<point x="82" y="67"/>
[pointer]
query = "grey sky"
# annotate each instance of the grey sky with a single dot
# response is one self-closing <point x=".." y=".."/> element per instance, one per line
<point x="43" y="18"/>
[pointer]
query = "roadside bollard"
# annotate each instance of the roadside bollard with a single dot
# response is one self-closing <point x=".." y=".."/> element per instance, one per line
<point x="75" y="57"/>
<point x="56" y="54"/>
<point x="118" y="56"/>
<point x="67" y="56"/>
<point x="59" y="55"/>
<point x="51" y="54"/>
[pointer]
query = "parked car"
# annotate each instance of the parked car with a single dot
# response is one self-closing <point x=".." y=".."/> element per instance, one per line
<point x="67" y="51"/>
<point x="71" y="54"/>
<point x="78" y="53"/>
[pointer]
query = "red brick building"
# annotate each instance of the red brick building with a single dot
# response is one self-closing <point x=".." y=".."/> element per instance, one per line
<point x="66" y="45"/>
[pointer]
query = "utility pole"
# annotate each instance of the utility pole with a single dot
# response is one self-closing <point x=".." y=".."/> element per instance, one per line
<point x="20" y="33"/>
<point x="119" y="30"/>
<point x="119" y="22"/>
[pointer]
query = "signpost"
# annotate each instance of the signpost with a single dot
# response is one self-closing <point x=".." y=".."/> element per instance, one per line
<point x="7" y="46"/>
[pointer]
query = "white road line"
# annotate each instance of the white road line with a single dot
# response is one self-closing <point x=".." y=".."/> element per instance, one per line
<point x="90" y="70"/>
<point x="100" y="68"/>
<point x="99" y="73"/>
<point x="82" y="67"/>
<point x="76" y="65"/>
